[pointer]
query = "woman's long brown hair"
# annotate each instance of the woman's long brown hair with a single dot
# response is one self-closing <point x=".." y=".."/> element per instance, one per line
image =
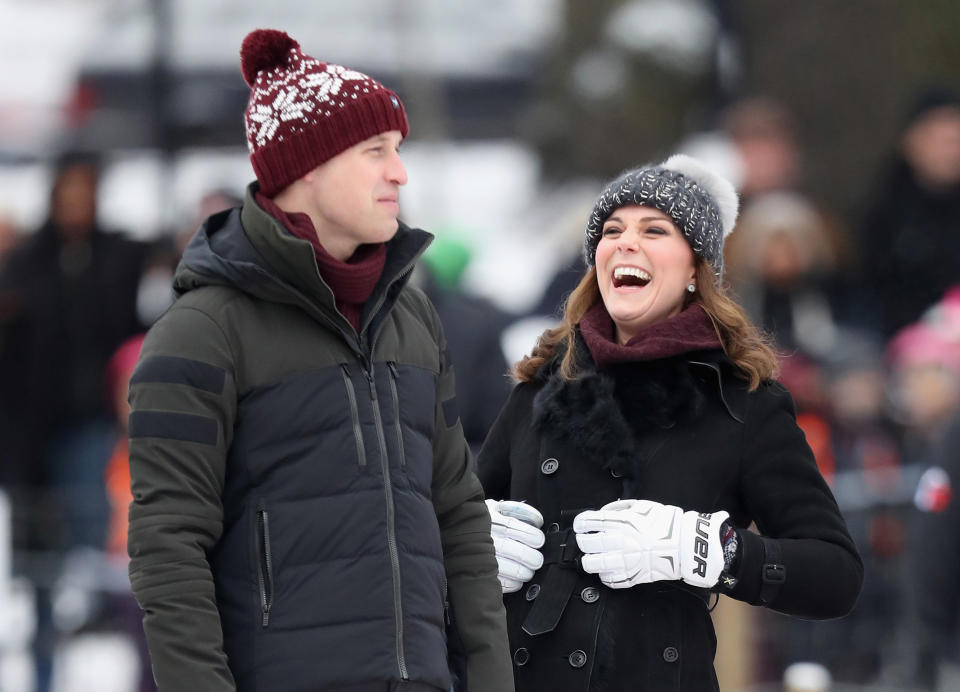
<point x="743" y="343"/>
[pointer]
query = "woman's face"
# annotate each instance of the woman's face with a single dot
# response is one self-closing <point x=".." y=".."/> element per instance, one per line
<point x="644" y="265"/>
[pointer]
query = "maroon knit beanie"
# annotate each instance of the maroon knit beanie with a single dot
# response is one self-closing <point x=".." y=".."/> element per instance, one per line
<point x="303" y="112"/>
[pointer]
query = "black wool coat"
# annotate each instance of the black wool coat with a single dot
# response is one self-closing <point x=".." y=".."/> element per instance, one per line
<point x="683" y="431"/>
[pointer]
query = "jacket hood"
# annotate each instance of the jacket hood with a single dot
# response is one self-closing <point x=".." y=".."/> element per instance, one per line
<point x="249" y="250"/>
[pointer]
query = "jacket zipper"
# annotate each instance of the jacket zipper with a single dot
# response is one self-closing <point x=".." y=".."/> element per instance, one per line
<point x="391" y="525"/>
<point x="396" y="400"/>
<point x="354" y="415"/>
<point x="446" y="603"/>
<point x="385" y="466"/>
<point x="264" y="564"/>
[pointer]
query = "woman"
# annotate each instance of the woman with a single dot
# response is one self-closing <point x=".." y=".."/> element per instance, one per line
<point x="645" y="435"/>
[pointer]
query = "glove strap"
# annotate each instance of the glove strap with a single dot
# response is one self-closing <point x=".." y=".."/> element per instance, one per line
<point x="774" y="572"/>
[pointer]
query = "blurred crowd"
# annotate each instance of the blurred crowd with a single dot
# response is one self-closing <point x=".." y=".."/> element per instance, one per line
<point x="865" y="311"/>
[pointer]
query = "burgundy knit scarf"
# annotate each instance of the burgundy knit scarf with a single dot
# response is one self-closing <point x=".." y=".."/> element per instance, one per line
<point x="353" y="281"/>
<point x="689" y="330"/>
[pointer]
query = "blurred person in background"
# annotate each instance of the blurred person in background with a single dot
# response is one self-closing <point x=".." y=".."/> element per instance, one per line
<point x="14" y="472"/>
<point x="867" y="476"/>
<point x="210" y="202"/>
<point x="473" y="327"/>
<point x="305" y="513"/>
<point x="117" y="481"/>
<point x="656" y="389"/>
<point x="70" y="294"/>
<point x="910" y="235"/>
<point x="10" y="237"/>
<point x="936" y="536"/>
<point x="155" y="292"/>
<point x="924" y="385"/>
<point x="783" y="268"/>
<point x="117" y="473"/>
<point x="764" y="136"/>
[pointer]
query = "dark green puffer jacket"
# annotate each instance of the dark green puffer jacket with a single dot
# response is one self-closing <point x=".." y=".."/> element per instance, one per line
<point x="304" y="505"/>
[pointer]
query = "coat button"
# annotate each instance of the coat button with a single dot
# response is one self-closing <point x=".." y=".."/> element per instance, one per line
<point x="615" y="473"/>
<point x="577" y="659"/>
<point x="549" y="466"/>
<point x="532" y="591"/>
<point x="553" y="528"/>
<point x="670" y="654"/>
<point x="590" y="594"/>
<point x="521" y="656"/>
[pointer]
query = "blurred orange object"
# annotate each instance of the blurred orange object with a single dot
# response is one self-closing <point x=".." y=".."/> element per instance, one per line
<point x="817" y="432"/>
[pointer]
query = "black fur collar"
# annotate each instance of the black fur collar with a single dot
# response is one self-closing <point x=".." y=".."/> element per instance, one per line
<point x="612" y="416"/>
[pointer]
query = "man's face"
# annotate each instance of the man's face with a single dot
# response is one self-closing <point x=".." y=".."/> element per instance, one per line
<point x="356" y="194"/>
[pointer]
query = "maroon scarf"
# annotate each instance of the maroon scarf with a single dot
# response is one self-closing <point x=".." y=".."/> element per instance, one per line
<point x="689" y="330"/>
<point x="353" y="281"/>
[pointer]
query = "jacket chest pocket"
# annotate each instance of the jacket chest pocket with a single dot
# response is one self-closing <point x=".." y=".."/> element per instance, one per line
<point x="408" y="413"/>
<point x="353" y="407"/>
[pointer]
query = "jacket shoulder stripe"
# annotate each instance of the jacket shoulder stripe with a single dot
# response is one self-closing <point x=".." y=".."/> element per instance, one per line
<point x="173" y="370"/>
<point x="185" y="427"/>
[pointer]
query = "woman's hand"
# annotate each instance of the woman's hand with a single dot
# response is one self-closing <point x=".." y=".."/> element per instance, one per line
<point x="630" y="542"/>
<point x="515" y="528"/>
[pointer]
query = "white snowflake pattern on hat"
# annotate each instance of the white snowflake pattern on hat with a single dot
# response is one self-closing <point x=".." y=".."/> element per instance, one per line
<point x="302" y="111"/>
<point x="299" y="93"/>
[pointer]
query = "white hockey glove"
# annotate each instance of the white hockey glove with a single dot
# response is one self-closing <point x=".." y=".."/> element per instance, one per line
<point x="515" y="528"/>
<point x="632" y="542"/>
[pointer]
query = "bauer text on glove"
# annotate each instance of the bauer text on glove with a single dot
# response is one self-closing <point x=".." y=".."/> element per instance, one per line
<point x="632" y="542"/>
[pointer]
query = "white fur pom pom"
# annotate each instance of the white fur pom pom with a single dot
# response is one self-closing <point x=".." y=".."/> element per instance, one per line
<point x="716" y="186"/>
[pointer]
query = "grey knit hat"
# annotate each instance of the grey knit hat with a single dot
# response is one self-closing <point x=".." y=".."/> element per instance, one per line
<point x="702" y="204"/>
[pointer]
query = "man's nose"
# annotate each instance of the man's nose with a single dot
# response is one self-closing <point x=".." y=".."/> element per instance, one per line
<point x="397" y="173"/>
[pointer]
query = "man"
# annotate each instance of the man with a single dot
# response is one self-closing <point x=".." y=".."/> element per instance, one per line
<point x="304" y="510"/>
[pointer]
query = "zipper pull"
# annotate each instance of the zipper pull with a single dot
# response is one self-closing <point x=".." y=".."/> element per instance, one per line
<point x="373" y="388"/>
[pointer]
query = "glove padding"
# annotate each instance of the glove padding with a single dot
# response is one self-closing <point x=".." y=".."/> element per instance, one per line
<point x="515" y="528"/>
<point x="630" y="542"/>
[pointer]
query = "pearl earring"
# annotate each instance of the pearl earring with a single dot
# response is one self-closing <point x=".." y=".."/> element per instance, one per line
<point x="691" y="288"/>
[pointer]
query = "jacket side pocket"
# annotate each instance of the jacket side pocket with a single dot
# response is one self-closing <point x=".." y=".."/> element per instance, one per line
<point x="264" y="564"/>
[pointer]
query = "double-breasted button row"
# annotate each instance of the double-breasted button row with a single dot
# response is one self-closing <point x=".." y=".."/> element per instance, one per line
<point x="549" y="466"/>
<point x="576" y="659"/>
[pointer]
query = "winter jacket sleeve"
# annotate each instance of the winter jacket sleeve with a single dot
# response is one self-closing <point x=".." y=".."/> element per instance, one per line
<point x="790" y="502"/>
<point x="474" y="592"/>
<point x="183" y="399"/>
<point x="493" y="461"/>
